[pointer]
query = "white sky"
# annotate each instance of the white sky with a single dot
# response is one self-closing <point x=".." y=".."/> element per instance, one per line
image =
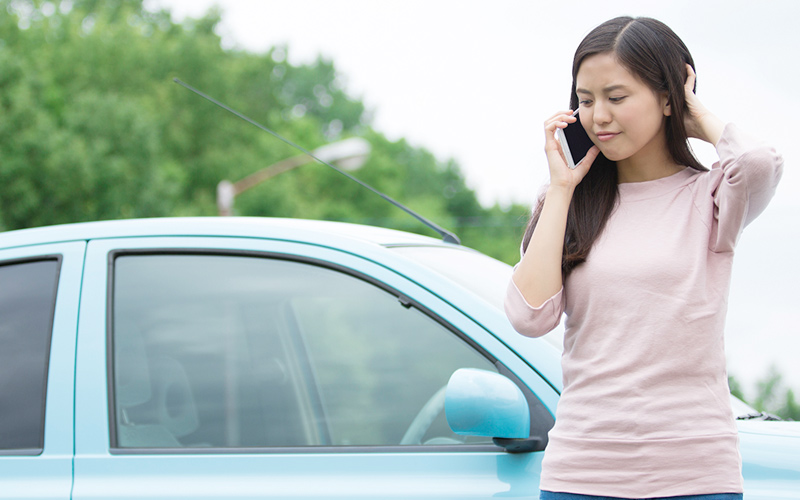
<point x="474" y="81"/>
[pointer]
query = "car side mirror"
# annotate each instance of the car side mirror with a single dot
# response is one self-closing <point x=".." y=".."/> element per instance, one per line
<point x="484" y="403"/>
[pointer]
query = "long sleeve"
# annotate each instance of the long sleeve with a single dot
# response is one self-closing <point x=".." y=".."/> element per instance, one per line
<point x="533" y="321"/>
<point x="746" y="178"/>
<point x="528" y="320"/>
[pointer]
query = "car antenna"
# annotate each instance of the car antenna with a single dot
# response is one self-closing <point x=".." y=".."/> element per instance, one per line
<point x="446" y="235"/>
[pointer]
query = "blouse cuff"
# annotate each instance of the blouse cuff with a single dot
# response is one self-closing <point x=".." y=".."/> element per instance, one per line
<point x="532" y="321"/>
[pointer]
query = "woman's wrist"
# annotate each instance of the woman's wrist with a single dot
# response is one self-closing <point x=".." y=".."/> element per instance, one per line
<point x="711" y="127"/>
<point x="562" y="191"/>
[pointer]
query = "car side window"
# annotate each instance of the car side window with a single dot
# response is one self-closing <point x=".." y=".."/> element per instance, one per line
<point x="27" y="304"/>
<point x="226" y="351"/>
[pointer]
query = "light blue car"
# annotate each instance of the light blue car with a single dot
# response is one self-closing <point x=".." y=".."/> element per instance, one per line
<point x="271" y="358"/>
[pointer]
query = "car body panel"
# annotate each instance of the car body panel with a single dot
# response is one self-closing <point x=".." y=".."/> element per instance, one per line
<point x="770" y="459"/>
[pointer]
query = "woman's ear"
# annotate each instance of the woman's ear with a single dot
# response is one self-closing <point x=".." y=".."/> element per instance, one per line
<point x="665" y="105"/>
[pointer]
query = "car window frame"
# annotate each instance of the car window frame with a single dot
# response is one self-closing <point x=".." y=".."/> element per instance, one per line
<point x="538" y="410"/>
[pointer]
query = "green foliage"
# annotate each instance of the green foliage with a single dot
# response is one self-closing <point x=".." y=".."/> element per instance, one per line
<point x="790" y="409"/>
<point x="736" y="387"/>
<point x="772" y="396"/>
<point x="93" y="128"/>
<point x="767" y="397"/>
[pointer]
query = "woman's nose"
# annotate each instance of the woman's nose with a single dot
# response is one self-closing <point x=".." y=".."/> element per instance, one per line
<point x="602" y="114"/>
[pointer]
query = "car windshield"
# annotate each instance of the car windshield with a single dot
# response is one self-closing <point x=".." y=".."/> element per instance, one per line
<point x="742" y="410"/>
<point x="482" y="275"/>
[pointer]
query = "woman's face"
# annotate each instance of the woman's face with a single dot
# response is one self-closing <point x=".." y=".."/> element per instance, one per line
<point x="621" y="114"/>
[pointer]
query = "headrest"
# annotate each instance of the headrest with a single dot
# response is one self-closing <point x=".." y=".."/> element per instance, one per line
<point x="175" y="406"/>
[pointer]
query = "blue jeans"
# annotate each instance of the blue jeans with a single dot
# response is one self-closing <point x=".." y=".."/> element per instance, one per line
<point x="549" y="495"/>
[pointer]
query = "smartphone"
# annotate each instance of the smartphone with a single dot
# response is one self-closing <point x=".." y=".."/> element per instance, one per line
<point x="575" y="142"/>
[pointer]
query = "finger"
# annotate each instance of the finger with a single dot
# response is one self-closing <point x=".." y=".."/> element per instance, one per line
<point x="563" y="115"/>
<point x="552" y="146"/>
<point x="560" y="120"/>
<point x="550" y="130"/>
<point x="555" y="159"/>
<point x="691" y="76"/>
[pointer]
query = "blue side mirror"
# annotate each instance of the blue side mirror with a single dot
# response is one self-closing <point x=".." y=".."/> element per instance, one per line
<point x="483" y="403"/>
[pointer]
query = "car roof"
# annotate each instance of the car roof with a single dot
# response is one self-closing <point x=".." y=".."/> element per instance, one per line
<point x="312" y="231"/>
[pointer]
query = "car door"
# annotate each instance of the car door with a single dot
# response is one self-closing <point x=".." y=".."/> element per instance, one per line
<point x="243" y="368"/>
<point x="39" y="295"/>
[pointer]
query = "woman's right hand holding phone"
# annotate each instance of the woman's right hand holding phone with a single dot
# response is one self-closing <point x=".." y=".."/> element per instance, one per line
<point x="560" y="174"/>
<point x="538" y="275"/>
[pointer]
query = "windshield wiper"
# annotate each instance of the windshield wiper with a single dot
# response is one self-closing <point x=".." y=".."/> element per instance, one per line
<point x="760" y="415"/>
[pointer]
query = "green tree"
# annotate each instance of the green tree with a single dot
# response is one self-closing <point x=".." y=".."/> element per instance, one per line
<point x="736" y="387"/>
<point x="93" y="128"/>
<point x="772" y="396"/>
<point x="790" y="409"/>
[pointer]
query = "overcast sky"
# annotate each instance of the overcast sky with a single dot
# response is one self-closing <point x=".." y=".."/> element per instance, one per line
<point x="474" y="81"/>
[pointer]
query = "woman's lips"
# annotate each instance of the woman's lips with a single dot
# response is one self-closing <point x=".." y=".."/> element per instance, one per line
<point x="606" y="136"/>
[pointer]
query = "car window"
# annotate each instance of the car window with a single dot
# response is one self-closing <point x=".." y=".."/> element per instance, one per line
<point x="229" y="351"/>
<point x="27" y="302"/>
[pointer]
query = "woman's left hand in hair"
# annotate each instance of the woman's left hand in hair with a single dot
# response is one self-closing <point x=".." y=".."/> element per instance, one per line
<point x="700" y="122"/>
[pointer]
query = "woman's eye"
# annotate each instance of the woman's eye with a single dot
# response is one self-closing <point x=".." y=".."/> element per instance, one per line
<point x="616" y="99"/>
<point x="585" y="102"/>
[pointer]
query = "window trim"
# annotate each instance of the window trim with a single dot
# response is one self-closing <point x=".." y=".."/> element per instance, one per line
<point x="406" y="301"/>
<point x="317" y="450"/>
<point x="59" y="259"/>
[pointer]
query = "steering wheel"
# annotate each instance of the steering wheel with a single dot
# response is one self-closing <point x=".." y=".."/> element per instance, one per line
<point x="424" y="419"/>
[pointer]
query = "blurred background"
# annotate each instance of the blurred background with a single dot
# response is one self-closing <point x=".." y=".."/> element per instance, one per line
<point x="450" y="95"/>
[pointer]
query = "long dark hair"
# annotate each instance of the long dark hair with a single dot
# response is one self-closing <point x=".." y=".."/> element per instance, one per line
<point x="652" y="51"/>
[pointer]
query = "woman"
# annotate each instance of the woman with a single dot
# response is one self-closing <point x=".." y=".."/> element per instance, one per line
<point x="635" y="245"/>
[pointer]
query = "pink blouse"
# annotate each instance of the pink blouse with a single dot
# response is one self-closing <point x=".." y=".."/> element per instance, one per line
<point x="645" y="409"/>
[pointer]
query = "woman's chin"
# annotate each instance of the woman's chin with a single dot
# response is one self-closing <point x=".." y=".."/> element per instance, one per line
<point x="614" y="155"/>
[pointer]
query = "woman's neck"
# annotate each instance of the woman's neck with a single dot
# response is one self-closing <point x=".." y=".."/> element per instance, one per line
<point x="647" y="165"/>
